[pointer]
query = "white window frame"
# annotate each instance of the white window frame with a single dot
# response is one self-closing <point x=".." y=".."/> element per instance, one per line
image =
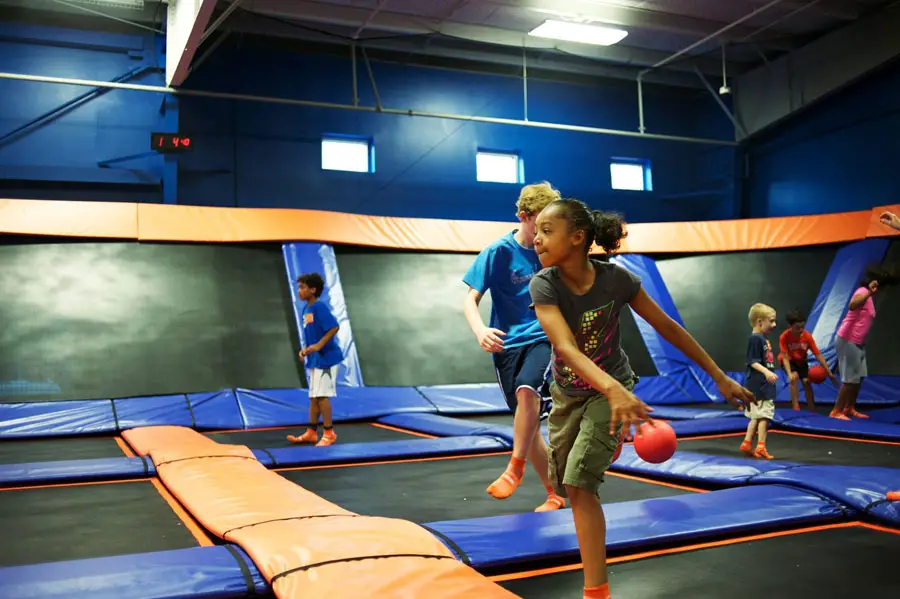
<point x="487" y="161"/>
<point x="346" y="154"/>
<point x="630" y="182"/>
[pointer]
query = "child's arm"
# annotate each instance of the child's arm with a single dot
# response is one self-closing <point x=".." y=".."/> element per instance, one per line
<point x="820" y="358"/>
<point x="675" y="334"/>
<point x="626" y="408"/>
<point x="858" y="299"/>
<point x="488" y="338"/>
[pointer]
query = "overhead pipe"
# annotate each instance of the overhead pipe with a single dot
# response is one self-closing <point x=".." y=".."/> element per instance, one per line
<point x="331" y="105"/>
<point x="687" y="49"/>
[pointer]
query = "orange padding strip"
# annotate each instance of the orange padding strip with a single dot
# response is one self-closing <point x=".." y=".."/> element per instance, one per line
<point x="304" y="545"/>
<point x="162" y="222"/>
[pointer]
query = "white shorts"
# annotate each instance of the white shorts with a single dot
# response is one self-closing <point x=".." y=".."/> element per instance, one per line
<point x="323" y="382"/>
<point x="763" y="409"/>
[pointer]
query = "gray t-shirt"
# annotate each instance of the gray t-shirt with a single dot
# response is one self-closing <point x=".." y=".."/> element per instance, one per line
<point x="593" y="319"/>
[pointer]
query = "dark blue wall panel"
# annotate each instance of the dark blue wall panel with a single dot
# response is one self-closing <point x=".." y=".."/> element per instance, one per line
<point x="254" y="154"/>
<point x="837" y="156"/>
<point x="258" y="154"/>
<point x="65" y="146"/>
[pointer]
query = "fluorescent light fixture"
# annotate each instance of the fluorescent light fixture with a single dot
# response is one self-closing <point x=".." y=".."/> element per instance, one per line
<point x="579" y="32"/>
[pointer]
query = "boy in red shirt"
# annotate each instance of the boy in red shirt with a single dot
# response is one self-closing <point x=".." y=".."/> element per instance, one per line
<point x="794" y="344"/>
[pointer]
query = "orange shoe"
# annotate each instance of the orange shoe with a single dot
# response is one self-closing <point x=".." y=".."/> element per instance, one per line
<point x="838" y="415"/>
<point x="762" y="453"/>
<point x="327" y="439"/>
<point x="310" y="436"/>
<point x="554" y="502"/>
<point x="747" y="448"/>
<point x="854" y="414"/>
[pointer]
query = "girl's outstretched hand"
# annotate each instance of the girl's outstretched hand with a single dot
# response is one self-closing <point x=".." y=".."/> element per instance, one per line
<point x="737" y="395"/>
<point x="627" y="409"/>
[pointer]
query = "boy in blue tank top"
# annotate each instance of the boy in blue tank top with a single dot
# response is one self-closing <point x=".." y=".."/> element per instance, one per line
<point x="519" y="347"/>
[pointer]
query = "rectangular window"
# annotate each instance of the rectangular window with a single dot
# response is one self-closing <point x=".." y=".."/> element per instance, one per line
<point x="347" y="154"/>
<point x="496" y="167"/>
<point x="630" y="174"/>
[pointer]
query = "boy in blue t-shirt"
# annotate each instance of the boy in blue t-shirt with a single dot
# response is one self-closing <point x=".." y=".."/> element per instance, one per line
<point x="760" y="380"/>
<point x="322" y="355"/>
<point x="522" y="357"/>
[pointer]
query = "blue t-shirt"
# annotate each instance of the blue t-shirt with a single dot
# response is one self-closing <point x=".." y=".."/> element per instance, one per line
<point x="318" y="320"/>
<point x="759" y="349"/>
<point x="505" y="268"/>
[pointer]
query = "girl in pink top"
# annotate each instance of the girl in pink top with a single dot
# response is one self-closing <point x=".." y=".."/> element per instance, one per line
<point x="850" y="343"/>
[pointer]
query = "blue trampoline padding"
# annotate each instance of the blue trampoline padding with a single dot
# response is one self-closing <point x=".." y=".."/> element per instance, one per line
<point x="708" y="426"/>
<point x="672" y="413"/>
<point x="862" y="488"/>
<point x="477" y="398"/>
<point x="348" y="453"/>
<point x="444" y="426"/>
<point x="56" y="418"/>
<point x="889" y="415"/>
<point x="218" y="410"/>
<point x="289" y="407"/>
<point x="635" y="525"/>
<point x="157" y="410"/>
<point x="76" y="471"/>
<point x="816" y="423"/>
<point x="687" y="467"/>
<point x="223" y="572"/>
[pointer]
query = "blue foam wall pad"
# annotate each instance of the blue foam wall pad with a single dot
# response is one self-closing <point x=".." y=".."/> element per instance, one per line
<point x="56" y="418"/>
<point x="708" y="426"/>
<point x="40" y="473"/>
<point x="199" y="573"/>
<point x="218" y="410"/>
<point x="673" y="413"/>
<point x="862" y="488"/>
<point x="888" y="415"/>
<point x="444" y="426"/>
<point x="816" y="423"/>
<point x="290" y="407"/>
<point x="477" y="398"/>
<point x="159" y="410"/>
<point x="346" y="453"/>
<point x="636" y="525"/>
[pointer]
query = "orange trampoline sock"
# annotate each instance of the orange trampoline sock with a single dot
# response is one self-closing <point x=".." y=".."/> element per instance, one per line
<point x="508" y="482"/>
<point x="600" y="592"/>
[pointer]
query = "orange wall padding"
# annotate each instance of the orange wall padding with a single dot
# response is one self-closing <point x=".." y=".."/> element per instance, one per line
<point x="164" y="222"/>
<point x="304" y="545"/>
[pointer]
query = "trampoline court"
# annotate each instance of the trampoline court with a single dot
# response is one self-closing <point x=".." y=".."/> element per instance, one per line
<point x="127" y="483"/>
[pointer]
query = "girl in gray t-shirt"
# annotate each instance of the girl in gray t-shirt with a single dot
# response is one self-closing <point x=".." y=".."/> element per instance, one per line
<point x="578" y="300"/>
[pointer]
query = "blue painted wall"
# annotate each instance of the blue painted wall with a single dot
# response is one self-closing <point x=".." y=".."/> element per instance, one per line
<point x="253" y="154"/>
<point x="57" y="157"/>
<point x="839" y="155"/>
<point x="269" y="155"/>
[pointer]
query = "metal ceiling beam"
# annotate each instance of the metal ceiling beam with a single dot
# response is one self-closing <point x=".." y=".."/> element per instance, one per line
<point x="838" y="9"/>
<point x="398" y="24"/>
<point x="642" y="18"/>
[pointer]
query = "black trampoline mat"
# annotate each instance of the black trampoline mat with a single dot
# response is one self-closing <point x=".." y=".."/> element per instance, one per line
<point x="347" y="433"/>
<point x="85" y="521"/>
<point x="826" y="564"/>
<point x="451" y="489"/>
<point x="800" y="448"/>
<point x="27" y="451"/>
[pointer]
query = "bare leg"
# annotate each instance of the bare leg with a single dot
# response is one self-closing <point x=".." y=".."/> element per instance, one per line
<point x="525" y="423"/>
<point x="795" y="391"/>
<point x="325" y="407"/>
<point x="590" y="528"/>
<point x="810" y="396"/>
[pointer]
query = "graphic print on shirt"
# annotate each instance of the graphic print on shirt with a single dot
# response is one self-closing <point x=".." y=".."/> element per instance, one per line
<point x="308" y="318"/>
<point x="597" y="326"/>
<point x="770" y="356"/>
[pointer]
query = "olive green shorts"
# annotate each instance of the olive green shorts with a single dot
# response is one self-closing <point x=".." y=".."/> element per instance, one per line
<point x="581" y="447"/>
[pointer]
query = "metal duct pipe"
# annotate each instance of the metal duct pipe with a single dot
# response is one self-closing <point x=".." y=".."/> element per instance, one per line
<point x="396" y="111"/>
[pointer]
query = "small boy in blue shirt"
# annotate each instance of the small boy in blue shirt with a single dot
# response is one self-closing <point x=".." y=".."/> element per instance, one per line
<point x="760" y="380"/>
<point x="322" y="355"/>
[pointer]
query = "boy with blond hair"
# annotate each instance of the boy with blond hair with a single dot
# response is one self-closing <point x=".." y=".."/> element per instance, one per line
<point x="760" y="380"/>
<point x="519" y="347"/>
